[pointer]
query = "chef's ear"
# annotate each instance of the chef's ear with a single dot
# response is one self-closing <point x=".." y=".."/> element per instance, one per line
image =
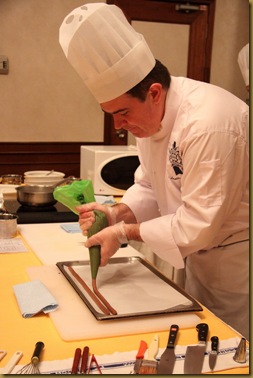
<point x="155" y="90"/>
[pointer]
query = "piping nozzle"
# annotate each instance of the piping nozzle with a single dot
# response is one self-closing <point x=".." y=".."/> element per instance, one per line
<point x="240" y="354"/>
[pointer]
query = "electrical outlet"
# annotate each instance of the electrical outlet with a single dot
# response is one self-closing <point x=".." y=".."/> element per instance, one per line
<point x="4" y="65"/>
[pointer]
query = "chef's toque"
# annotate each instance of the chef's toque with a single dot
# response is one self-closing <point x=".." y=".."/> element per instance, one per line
<point x="243" y="61"/>
<point x="105" y="50"/>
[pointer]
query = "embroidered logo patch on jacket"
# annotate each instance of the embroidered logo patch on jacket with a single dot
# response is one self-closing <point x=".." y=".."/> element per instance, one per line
<point x="176" y="159"/>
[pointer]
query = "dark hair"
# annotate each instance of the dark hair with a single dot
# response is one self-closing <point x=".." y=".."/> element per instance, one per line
<point x="159" y="74"/>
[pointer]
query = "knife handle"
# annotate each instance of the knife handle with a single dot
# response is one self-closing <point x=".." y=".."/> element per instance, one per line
<point x="153" y="348"/>
<point x="215" y="343"/>
<point x="202" y="329"/>
<point x="76" y="360"/>
<point x="172" y="336"/>
<point x="142" y="349"/>
<point x="84" y="361"/>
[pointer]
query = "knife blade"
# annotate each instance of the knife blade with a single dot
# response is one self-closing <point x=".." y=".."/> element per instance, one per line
<point x="168" y="358"/>
<point x="214" y="352"/>
<point x="194" y="357"/>
<point x="139" y="356"/>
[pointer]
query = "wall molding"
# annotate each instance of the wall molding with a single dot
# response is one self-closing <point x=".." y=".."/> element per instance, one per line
<point x="19" y="157"/>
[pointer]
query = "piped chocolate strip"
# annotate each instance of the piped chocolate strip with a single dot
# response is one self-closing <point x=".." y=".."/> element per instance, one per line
<point x="102" y="299"/>
<point x="104" y="309"/>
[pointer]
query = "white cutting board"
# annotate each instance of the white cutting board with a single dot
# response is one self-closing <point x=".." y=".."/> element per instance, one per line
<point x="74" y="321"/>
<point x="51" y="244"/>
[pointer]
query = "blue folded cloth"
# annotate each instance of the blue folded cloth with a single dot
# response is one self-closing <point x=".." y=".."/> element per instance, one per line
<point x="71" y="227"/>
<point x="33" y="297"/>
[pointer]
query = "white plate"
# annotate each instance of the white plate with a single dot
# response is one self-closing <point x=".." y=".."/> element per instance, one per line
<point x="41" y="180"/>
<point x="9" y="191"/>
<point x="44" y="174"/>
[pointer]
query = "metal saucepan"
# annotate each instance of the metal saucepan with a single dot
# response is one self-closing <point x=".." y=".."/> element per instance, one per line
<point x="40" y="195"/>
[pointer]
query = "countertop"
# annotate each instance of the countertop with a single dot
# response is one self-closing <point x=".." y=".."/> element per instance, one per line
<point x="18" y="333"/>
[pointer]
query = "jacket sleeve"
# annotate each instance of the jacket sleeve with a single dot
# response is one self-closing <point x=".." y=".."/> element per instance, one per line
<point x="214" y="184"/>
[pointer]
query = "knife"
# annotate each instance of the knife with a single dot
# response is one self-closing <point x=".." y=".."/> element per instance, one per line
<point x="139" y="356"/>
<point x="194" y="357"/>
<point x="168" y="358"/>
<point x="214" y="352"/>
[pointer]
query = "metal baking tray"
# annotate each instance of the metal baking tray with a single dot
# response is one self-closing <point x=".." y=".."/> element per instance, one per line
<point x="132" y="286"/>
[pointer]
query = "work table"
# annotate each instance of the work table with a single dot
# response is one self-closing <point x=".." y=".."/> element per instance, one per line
<point x="47" y="244"/>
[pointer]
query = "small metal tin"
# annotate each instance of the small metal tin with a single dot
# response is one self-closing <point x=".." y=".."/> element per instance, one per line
<point x="8" y="226"/>
<point x="11" y="179"/>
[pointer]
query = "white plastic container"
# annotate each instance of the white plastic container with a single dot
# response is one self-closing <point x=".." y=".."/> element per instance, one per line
<point x="43" y="177"/>
<point x="8" y="226"/>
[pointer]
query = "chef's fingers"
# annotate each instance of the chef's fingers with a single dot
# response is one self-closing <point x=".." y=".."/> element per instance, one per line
<point x="86" y="220"/>
<point x="108" y="247"/>
<point x="85" y="210"/>
<point x="110" y="239"/>
<point x="85" y="225"/>
<point x="90" y="207"/>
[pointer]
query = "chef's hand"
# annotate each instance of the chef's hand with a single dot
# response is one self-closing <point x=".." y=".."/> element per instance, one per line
<point x="110" y="239"/>
<point x="87" y="216"/>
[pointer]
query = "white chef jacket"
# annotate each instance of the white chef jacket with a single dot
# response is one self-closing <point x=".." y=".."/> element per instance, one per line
<point x="191" y="191"/>
<point x="243" y="61"/>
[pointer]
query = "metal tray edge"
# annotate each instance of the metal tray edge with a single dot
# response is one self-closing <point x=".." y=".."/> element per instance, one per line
<point x="100" y="316"/>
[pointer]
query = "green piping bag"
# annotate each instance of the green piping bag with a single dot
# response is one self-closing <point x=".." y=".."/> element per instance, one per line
<point x="76" y="194"/>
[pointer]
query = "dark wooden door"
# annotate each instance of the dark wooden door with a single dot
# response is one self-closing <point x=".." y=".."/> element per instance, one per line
<point x="199" y="15"/>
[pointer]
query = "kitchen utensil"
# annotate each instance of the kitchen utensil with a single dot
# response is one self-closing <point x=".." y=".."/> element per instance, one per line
<point x="194" y="357"/>
<point x="11" y="179"/>
<point x="39" y="195"/>
<point x="214" y="352"/>
<point x="139" y="356"/>
<point x="8" y="225"/>
<point x="84" y="361"/>
<point x="240" y="354"/>
<point x="8" y="191"/>
<point x="168" y="358"/>
<point x="76" y="361"/>
<point x="2" y="205"/>
<point x="78" y="356"/>
<point x="7" y="369"/>
<point x="33" y="366"/>
<point x="43" y="177"/>
<point x="94" y="361"/>
<point x="149" y="365"/>
<point x="49" y="173"/>
<point x="30" y="195"/>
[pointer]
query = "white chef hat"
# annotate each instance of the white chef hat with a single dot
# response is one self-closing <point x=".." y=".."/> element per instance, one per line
<point x="243" y="61"/>
<point x="105" y="50"/>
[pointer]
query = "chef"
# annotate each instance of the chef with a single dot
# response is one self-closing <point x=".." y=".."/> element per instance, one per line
<point x="243" y="62"/>
<point x="190" y="199"/>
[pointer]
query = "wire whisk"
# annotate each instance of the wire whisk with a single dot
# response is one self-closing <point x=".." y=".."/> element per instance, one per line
<point x="33" y="366"/>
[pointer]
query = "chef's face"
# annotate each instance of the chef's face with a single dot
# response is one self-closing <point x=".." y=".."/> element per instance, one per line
<point x="141" y="118"/>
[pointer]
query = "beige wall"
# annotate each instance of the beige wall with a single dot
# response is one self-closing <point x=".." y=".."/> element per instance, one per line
<point x="43" y="99"/>
<point x="231" y="33"/>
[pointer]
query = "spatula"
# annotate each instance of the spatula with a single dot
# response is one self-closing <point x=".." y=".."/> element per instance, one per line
<point x="168" y="358"/>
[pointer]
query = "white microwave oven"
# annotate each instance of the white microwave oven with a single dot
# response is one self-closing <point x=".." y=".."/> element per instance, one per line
<point x="110" y="168"/>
